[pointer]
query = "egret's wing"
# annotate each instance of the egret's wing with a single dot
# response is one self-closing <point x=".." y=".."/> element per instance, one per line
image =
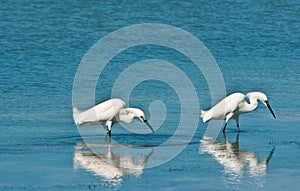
<point x="108" y="109"/>
<point x="101" y="112"/>
<point x="227" y="105"/>
<point x="233" y="101"/>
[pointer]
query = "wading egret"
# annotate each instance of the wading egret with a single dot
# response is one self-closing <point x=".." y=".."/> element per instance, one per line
<point x="108" y="113"/>
<point x="234" y="105"/>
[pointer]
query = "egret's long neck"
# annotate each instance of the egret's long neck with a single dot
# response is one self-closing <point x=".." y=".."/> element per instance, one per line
<point x="248" y="107"/>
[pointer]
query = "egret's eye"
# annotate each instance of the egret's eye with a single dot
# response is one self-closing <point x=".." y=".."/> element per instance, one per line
<point x="143" y="118"/>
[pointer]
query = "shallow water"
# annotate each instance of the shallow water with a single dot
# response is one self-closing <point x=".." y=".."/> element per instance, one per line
<point x="256" y="45"/>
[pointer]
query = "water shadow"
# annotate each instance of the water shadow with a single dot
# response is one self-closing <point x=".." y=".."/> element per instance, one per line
<point x="111" y="166"/>
<point x="237" y="165"/>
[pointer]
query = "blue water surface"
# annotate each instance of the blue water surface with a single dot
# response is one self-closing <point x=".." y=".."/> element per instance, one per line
<point x="255" y="43"/>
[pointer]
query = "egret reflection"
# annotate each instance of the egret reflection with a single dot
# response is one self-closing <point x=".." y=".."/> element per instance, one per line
<point x="237" y="164"/>
<point x="105" y="163"/>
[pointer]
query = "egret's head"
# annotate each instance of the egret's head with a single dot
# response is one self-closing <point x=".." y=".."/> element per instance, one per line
<point x="140" y="114"/>
<point x="258" y="96"/>
<point x="261" y="97"/>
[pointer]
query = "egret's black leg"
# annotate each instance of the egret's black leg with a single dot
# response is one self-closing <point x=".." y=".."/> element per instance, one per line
<point x="224" y="127"/>
<point x="237" y="123"/>
<point x="238" y="127"/>
<point x="108" y="127"/>
<point x="108" y="133"/>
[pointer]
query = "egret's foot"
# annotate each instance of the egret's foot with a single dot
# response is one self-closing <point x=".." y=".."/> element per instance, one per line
<point x="224" y="129"/>
<point x="108" y="133"/>
<point x="238" y="128"/>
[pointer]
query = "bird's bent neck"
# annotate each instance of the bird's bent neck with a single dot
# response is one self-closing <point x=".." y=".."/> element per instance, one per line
<point x="248" y="107"/>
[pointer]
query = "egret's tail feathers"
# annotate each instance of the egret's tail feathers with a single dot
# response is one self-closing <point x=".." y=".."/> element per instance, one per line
<point x="76" y="112"/>
<point x="204" y="115"/>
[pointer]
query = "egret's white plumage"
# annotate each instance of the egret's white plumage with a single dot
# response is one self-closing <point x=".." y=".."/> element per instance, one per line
<point x="108" y="113"/>
<point x="234" y="105"/>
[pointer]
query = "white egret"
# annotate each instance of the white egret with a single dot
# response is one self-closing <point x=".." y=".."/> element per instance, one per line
<point x="234" y="105"/>
<point x="108" y="113"/>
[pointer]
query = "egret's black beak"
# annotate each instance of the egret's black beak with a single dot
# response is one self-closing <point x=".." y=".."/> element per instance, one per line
<point x="145" y="121"/>
<point x="269" y="107"/>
